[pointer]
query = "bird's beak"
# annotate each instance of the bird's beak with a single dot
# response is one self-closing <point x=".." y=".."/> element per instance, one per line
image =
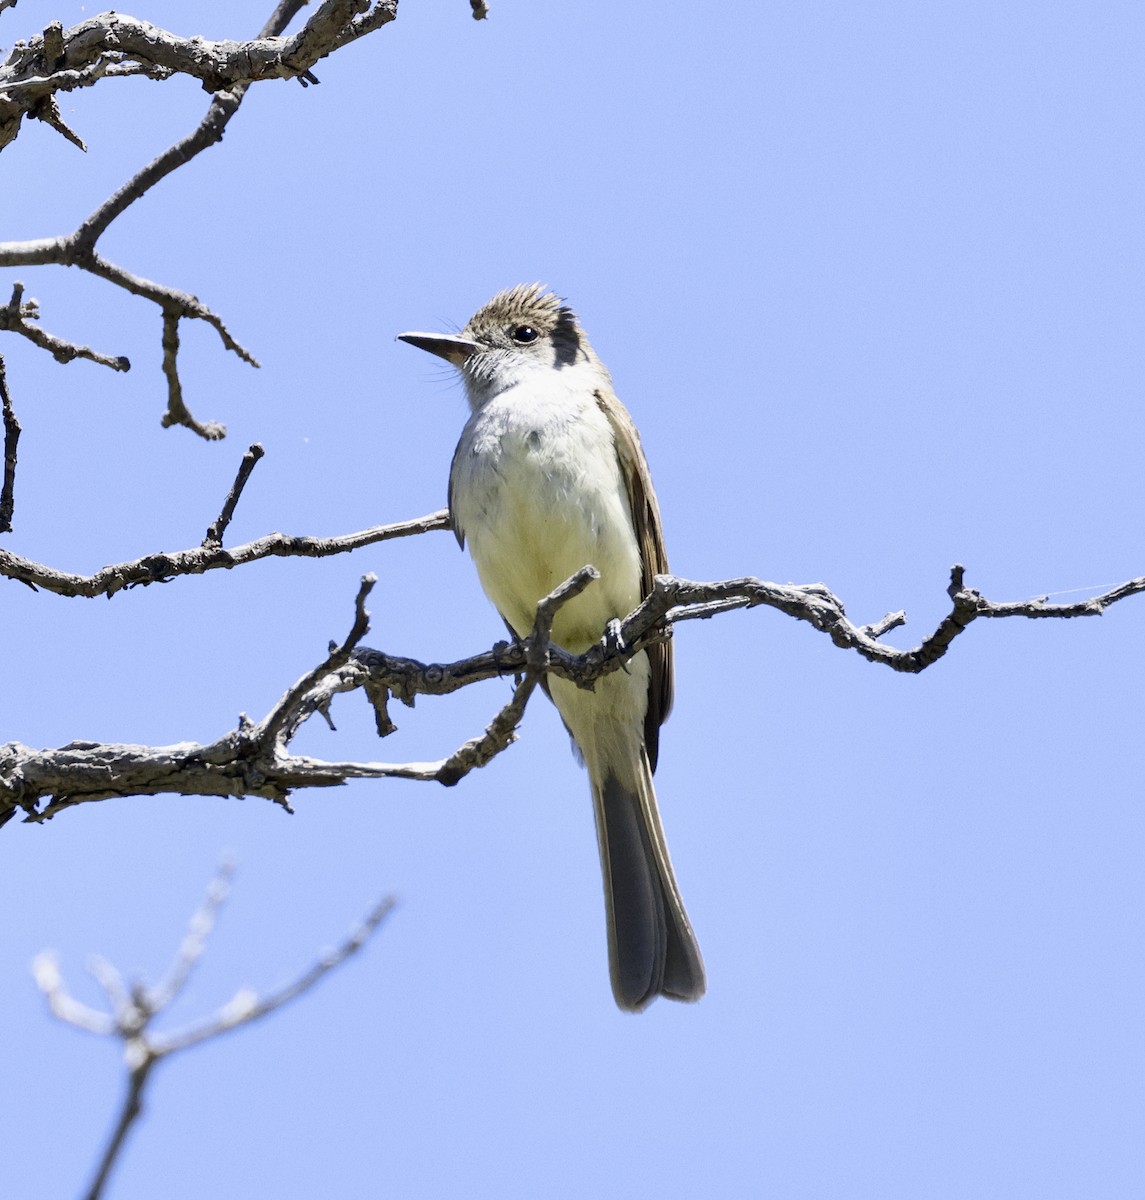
<point x="451" y="347"/>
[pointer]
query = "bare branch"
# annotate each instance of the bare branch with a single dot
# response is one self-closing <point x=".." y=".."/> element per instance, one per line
<point x="60" y="60"/>
<point x="177" y="412"/>
<point x="502" y="730"/>
<point x="208" y="555"/>
<point x="14" y="317"/>
<point x="108" y="977"/>
<point x="245" y="1006"/>
<point x="195" y="940"/>
<point x="499" y="734"/>
<point x="252" y="759"/>
<point x="675" y="600"/>
<point x="134" y="1010"/>
<point x="160" y="568"/>
<point x="48" y="110"/>
<point x="11" y="438"/>
<point x="214" y="538"/>
<point x="78" y="249"/>
<point x="46" y="971"/>
<point x="175" y="305"/>
<point x="115" y="44"/>
<point x="282" y="16"/>
<point x="208" y="132"/>
<point x="132" y="1108"/>
<point x="283" y="721"/>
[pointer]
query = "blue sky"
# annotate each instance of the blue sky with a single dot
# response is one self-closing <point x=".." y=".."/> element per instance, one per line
<point x="869" y="278"/>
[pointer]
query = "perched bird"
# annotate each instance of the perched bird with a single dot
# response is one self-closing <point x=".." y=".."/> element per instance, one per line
<point x="549" y="476"/>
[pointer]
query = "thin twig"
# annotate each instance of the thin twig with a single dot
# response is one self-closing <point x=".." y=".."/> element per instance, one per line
<point x="134" y="1010"/>
<point x="674" y="600"/>
<point x="245" y="1006"/>
<point x="46" y="972"/>
<point x="281" y="17"/>
<point x="114" y="44"/>
<point x="117" y="992"/>
<point x="16" y="315"/>
<point x="280" y="725"/>
<point x="177" y="412"/>
<point x="208" y="132"/>
<point x="160" y="568"/>
<point x="129" y="1113"/>
<point x="194" y="940"/>
<point x="214" y="538"/>
<point x="502" y="730"/>
<point x="48" y="110"/>
<point x="11" y="438"/>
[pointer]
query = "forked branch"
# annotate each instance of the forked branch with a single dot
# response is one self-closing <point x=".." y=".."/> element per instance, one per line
<point x="132" y="1008"/>
<point x="111" y="45"/>
<point x="210" y="555"/>
<point x="253" y="760"/>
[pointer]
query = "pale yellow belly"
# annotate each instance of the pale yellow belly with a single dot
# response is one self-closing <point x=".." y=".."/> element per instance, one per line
<point x="533" y="545"/>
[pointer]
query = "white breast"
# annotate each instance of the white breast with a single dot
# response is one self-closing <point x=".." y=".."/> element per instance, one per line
<point x="538" y="493"/>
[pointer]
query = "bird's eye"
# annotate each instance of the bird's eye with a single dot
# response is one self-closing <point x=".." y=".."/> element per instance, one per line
<point x="524" y="334"/>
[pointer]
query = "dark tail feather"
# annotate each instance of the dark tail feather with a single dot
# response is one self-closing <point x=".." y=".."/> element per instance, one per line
<point x="651" y="947"/>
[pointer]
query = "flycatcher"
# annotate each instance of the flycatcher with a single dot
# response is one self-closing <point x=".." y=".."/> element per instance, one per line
<point x="549" y="476"/>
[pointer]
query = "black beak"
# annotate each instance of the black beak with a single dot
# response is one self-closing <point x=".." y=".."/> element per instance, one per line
<point x="451" y="347"/>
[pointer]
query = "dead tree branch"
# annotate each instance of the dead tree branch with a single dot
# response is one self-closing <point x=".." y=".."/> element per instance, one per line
<point x="253" y="759"/>
<point x="161" y="568"/>
<point x="132" y="1009"/>
<point x="214" y="535"/>
<point x="15" y="317"/>
<point x="113" y="44"/>
<point x="61" y="60"/>
<point x="210" y="554"/>
<point x="11" y="438"/>
<point x="675" y="600"/>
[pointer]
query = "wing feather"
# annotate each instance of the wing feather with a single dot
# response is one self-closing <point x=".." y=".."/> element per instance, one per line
<point x="653" y="557"/>
<point x="458" y="532"/>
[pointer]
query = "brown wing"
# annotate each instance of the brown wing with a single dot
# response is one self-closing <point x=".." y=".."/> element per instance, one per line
<point x="653" y="557"/>
<point x="457" y="533"/>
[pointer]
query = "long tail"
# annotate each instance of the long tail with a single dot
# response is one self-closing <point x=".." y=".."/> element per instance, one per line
<point x="651" y="947"/>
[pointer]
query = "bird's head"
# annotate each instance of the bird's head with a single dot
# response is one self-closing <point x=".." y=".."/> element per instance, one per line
<point x="521" y="330"/>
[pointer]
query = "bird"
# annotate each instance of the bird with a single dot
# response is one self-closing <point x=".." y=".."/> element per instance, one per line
<point x="549" y="476"/>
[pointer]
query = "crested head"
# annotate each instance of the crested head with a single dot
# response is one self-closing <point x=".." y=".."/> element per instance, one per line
<point x="522" y="331"/>
<point x="526" y="304"/>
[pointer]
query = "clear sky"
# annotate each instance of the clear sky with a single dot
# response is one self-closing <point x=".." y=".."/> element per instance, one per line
<point x="869" y="277"/>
